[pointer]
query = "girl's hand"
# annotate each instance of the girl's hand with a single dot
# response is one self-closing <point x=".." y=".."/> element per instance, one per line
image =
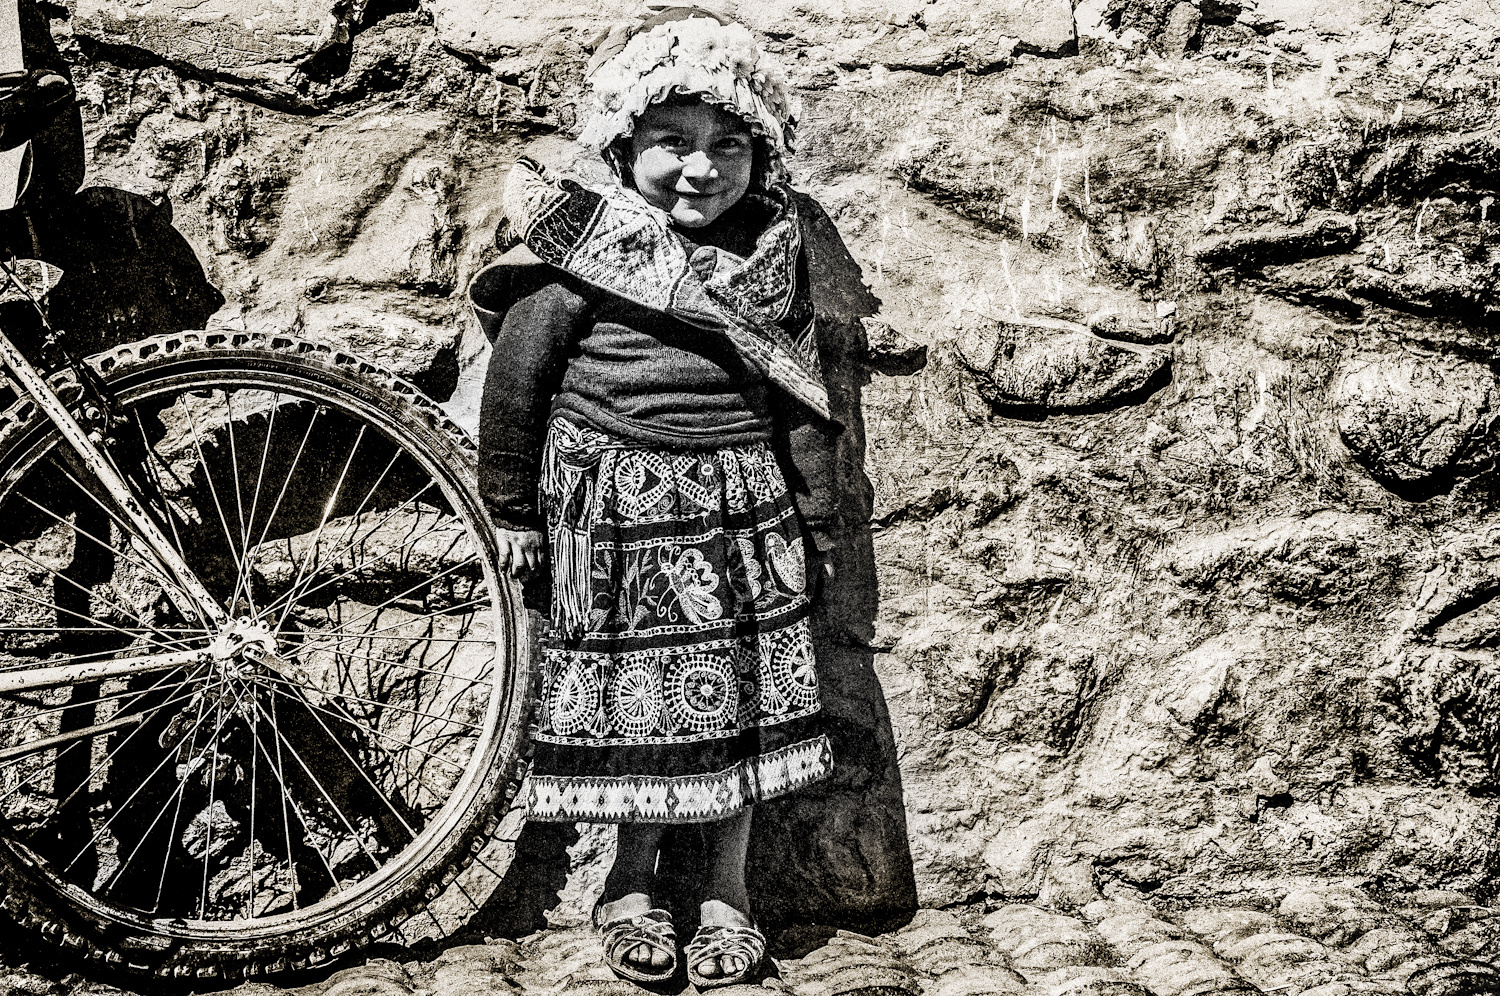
<point x="522" y="551"/>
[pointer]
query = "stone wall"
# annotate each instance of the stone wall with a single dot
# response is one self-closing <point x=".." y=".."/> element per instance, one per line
<point x="1182" y="542"/>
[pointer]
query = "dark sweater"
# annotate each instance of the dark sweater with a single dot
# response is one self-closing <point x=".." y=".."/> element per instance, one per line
<point x="640" y="375"/>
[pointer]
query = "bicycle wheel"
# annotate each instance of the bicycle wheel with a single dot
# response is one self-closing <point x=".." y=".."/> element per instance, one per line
<point x="184" y="797"/>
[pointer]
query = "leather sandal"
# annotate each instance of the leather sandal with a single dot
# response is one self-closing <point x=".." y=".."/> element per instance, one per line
<point x="745" y="943"/>
<point x="653" y="929"/>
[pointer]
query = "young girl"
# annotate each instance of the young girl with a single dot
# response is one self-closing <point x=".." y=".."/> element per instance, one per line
<point x="643" y="412"/>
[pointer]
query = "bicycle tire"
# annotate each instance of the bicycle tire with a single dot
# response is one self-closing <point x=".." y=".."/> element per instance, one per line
<point x="358" y="884"/>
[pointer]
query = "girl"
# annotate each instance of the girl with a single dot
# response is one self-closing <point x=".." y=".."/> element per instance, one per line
<point x="642" y="414"/>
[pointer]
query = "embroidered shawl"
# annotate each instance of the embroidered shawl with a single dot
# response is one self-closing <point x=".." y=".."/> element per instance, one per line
<point x="616" y="241"/>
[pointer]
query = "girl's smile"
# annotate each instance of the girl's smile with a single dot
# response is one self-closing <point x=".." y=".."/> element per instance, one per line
<point x="691" y="160"/>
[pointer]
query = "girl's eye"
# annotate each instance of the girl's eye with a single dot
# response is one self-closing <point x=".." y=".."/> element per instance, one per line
<point x="732" y="146"/>
<point x="671" y="141"/>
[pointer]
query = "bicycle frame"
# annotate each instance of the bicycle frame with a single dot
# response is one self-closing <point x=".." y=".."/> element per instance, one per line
<point x="341" y="674"/>
<point x="184" y="588"/>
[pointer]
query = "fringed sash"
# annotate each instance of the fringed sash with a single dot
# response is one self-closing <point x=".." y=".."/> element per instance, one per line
<point x="568" y="462"/>
<point x="614" y="240"/>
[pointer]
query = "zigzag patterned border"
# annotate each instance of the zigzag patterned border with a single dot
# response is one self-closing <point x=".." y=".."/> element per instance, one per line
<point x="686" y="799"/>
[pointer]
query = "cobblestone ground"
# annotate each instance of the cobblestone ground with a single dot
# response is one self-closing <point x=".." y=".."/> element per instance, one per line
<point x="1324" y="940"/>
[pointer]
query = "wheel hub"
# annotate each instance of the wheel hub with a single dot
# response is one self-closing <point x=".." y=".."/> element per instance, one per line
<point x="244" y="640"/>
<point x="242" y="634"/>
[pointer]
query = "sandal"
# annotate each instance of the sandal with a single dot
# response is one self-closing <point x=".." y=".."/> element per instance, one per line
<point x="745" y="943"/>
<point x="652" y="928"/>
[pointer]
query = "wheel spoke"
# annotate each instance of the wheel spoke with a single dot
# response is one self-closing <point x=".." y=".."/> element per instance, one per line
<point x="239" y="498"/>
<point x="178" y="793"/>
<point x="372" y="610"/>
<point x="115" y="751"/>
<point x="126" y="804"/>
<point x="374" y="702"/>
<point x="213" y="782"/>
<point x="170" y="583"/>
<point x="312" y="549"/>
<point x="351" y="721"/>
<point x="296" y="756"/>
<point x="254" y="763"/>
<point x="410" y="667"/>
<point x="40" y="771"/>
<point x="31" y="716"/>
<point x="353" y="521"/>
<point x="344" y="718"/>
<point x="59" y="575"/>
<point x="379" y="792"/>
<point x="208" y="474"/>
<point x="243" y="579"/>
<point x="363" y="565"/>
<point x="164" y="630"/>
<point x="285" y="793"/>
<point x="80" y="615"/>
<point x="174" y="799"/>
<point x="159" y="573"/>
<point x="290" y="473"/>
<point x="321" y="644"/>
<point x="281" y="780"/>
<point x="155" y="473"/>
<point x="434" y="638"/>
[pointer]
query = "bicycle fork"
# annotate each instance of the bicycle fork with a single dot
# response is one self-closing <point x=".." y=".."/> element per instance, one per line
<point x="184" y="589"/>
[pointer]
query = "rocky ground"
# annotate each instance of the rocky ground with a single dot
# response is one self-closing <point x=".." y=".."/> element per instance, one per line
<point x="1301" y="940"/>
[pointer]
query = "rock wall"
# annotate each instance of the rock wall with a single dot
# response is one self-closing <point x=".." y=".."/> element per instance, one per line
<point x="1182" y="547"/>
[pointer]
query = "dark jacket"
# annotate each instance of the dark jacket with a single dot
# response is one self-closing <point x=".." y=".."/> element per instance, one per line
<point x="562" y="346"/>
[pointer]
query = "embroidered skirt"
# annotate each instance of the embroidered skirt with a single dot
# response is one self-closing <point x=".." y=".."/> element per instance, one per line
<point x="678" y="681"/>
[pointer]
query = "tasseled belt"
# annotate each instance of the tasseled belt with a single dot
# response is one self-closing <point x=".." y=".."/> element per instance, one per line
<point x="569" y="459"/>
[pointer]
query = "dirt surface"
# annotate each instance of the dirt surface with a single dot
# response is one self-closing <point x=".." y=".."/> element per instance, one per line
<point x="1325" y="939"/>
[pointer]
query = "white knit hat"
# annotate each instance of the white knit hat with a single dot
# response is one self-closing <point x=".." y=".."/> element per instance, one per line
<point x="687" y="50"/>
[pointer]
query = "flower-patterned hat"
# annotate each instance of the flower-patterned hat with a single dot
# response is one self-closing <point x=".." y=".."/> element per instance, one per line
<point x="687" y="50"/>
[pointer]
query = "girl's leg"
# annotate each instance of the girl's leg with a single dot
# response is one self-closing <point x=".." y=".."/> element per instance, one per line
<point x="728" y="902"/>
<point x="631" y="882"/>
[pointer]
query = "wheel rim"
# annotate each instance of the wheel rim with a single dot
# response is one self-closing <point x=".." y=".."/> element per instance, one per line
<point x="326" y="741"/>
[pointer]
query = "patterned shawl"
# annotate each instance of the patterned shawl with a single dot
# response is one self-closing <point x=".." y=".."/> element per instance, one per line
<point x="614" y="240"/>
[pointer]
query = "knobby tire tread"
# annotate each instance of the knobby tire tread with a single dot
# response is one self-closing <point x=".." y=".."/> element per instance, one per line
<point x="115" y="944"/>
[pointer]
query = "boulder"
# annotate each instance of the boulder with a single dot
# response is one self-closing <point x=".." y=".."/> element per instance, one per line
<point x="1416" y="421"/>
<point x="490" y="29"/>
<point x="892" y="352"/>
<point x="1181" y="30"/>
<point x="1248" y="250"/>
<point x="1055" y="366"/>
<point x="942" y="34"/>
<point x="241" y="44"/>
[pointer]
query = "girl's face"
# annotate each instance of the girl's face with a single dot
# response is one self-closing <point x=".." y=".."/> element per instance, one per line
<point x="693" y="160"/>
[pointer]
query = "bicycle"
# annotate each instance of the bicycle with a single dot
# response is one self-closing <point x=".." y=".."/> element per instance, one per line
<point x="261" y="684"/>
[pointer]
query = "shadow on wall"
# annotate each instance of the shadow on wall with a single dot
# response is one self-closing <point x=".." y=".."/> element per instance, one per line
<point x="835" y="854"/>
<point x="127" y="273"/>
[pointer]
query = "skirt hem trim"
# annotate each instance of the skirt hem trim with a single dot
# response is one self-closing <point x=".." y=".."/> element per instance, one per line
<point x="679" y="799"/>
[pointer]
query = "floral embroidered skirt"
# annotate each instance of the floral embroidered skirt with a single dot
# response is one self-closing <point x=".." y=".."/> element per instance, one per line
<point x="678" y="681"/>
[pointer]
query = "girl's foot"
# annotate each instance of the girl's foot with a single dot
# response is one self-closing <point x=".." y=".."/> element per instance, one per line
<point x="727" y="948"/>
<point x="643" y="942"/>
<point x="639" y="942"/>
